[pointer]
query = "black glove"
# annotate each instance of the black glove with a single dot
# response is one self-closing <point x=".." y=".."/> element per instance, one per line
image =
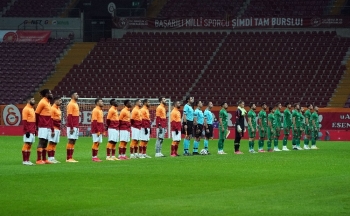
<point x="146" y="131"/>
<point x="176" y="131"/>
<point x="27" y="134"/>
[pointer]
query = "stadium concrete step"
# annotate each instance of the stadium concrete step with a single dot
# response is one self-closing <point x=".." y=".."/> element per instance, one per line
<point x="75" y="55"/>
<point x="341" y="94"/>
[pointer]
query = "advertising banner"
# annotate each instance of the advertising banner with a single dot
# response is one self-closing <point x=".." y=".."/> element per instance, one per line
<point x="21" y="36"/>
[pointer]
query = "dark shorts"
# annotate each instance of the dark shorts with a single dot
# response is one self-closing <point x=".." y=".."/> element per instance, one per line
<point x="200" y="128"/>
<point x="189" y="131"/>
<point x="210" y="133"/>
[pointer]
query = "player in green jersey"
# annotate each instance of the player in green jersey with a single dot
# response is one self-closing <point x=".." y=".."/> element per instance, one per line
<point x="252" y="127"/>
<point x="296" y="118"/>
<point x="315" y="127"/>
<point x="278" y="125"/>
<point x="271" y="129"/>
<point x="287" y="125"/>
<point x="308" y="126"/>
<point x="262" y="126"/>
<point x="223" y="127"/>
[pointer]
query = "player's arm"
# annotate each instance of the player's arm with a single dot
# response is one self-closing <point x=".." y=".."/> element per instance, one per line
<point x="250" y="123"/>
<point x="221" y="123"/>
<point x="260" y="122"/>
<point x="70" y="117"/>
<point x="184" y="118"/>
<point x="294" y="121"/>
<point x="133" y="116"/>
<point x="306" y="120"/>
<point x="25" y="122"/>
<point x="38" y="110"/>
<point x="205" y="122"/>
<point x="108" y="119"/>
<point x="195" y="117"/>
<point x="94" y="128"/>
<point x="314" y="123"/>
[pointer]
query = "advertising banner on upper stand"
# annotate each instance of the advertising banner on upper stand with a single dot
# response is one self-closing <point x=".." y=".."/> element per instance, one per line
<point x="23" y="36"/>
<point x="230" y="23"/>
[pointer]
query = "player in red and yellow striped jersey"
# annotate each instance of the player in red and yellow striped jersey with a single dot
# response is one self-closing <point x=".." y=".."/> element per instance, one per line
<point x="72" y="125"/>
<point x="175" y="121"/>
<point x="56" y="115"/>
<point x="28" y="122"/>
<point x="161" y="126"/>
<point x="136" y="122"/>
<point x="44" y="125"/>
<point x="124" y="129"/>
<point x="97" y="128"/>
<point x="145" y="129"/>
<point x="112" y="123"/>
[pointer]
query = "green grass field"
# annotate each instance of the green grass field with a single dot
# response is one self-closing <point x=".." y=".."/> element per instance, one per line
<point x="313" y="182"/>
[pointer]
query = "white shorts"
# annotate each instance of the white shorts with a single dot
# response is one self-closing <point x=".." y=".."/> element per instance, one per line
<point x="44" y="133"/>
<point x="75" y="134"/>
<point x="56" y="138"/>
<point x="161" y="135"/>
<point x="113" y="135"/>
<point x="143" y="136"/>
<point x="96" y="138"/>
<point x="31" y="138"/>
<point x="135" y="133"/>
<point x="176" y="137"/>
<point x="124" y="135"/>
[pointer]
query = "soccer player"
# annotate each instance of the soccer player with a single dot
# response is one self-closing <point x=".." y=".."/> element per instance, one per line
<point x="198" y="121"/>
<point x="308" y="126"/>
<point x="145" y="129"/>
<point x="223" y="127"/>
<point x="208" y="125"/>
<point x="72" y="125"/>
<point x="296" y="118"/>
<point x="97" y="128"/>
<point x="125" y="127"/>
<point x="112" y="122"/>
<point x="28" y="122"/>
<point x="136" y="122"/>
<point x="271" y="129"/>
<point x="278" y="125"/>
<point x="262" y="126"/>
<point x="287" y="125"/>
<point x="252" y="128"/>
<point x="161" y="124"/>
<point x="44" y="124"/>
<point x="175" y="121"/>
<point x="239" y="128"/>
<point x="188" y="124"/>
<point x="315" y="128"/>
<point x="54" y="139"/>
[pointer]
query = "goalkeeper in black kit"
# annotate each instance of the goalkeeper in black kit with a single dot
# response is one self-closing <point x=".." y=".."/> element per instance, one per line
<point x="240" y="129"/>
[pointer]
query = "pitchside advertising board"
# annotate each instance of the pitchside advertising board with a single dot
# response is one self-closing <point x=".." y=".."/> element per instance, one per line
<point x="334" y="122"/>
<point x="231" y="23"/>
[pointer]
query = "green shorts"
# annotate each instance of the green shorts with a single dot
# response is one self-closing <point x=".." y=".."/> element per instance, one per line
<point x="308" y="131"/>
<point x="296" y="133"/>
<point x="263" y="133"/>
<point x="286" y="130"/>
<point x="277" y="131"/>
<point x="222" y="134"/>
<point x="251" y="133"/>
<point x="270" y="134"/>
<point x="314" y="134"/>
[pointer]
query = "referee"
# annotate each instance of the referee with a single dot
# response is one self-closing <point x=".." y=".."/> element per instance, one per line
<point x="188" y="124"/>
<point x="208" y="125"/>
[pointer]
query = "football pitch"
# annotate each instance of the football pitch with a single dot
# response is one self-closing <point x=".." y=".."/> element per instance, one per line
<point x="308" y="182"/>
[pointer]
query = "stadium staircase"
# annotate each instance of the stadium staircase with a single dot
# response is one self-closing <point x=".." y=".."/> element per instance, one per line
<point x="75" y="55"/>
<point x="340" y="95"/>
<point x="337" y="6"/>
<point x="155" y="8"/>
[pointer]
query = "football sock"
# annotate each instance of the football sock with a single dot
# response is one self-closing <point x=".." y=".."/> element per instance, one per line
<point x="186" y="145"/>
<point x="158" y="146"/>
<point x="39" y="152"/>
<point x="44" y="152"/>
<point x="275" y="143"/>
<point x="313" y="141"/>
<point x="298" y="143"/>
<point x="222" y="144"/>
<point x="285" y="140"/>
<point x="250" y="145"/>
<point x="219" y="145"/>
<point x="95" y="149"/>
<point x="236" y="147"/>
<point x="306" y="142"/>
<point x="109" y="149"/>
<point x="268" y="144"/>
<point x="195" y="146"/>
<point x="206" y="144"/>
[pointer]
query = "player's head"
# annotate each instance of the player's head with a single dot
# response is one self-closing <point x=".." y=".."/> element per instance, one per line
<point x="278" y="105"/>
<point x="138" y="102"/>
<point x="252" y="106"/>
<point x="199" y="104"/>
<point x="210" y="105"/>
<point x="145" y="102"/>
<point x="240" y="103"/>
<point x="297" y="106"/>
<point x="288" y="105"/>
<point x="316" y="108"/>
<point x="189" y="99"/>
<point x="99" y="102"/>
<point x="31" y="101"/>
<point x="162" y="100"/>
<point x="177" y="104"/>
<point x="74" y="95"/>
<point x="46" y="93"/>
<point x="302" y="109"/>
<point x="127" y="103"/>
<point x="113" y="102"/>
<point x="271" y="109"/>
<point x="263" y="105"/>
<point x="57" y="100"/>
<point x="310" y="106"/>
<point x="224" y="105"/>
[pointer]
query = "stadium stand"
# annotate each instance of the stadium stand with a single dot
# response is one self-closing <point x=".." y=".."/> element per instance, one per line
<point x="35" y="8"/>
<point x="282" y="8"/>
<point x="255" y="66"/>
<point x="24" y="66"/>
<point x="200" y="8"/>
